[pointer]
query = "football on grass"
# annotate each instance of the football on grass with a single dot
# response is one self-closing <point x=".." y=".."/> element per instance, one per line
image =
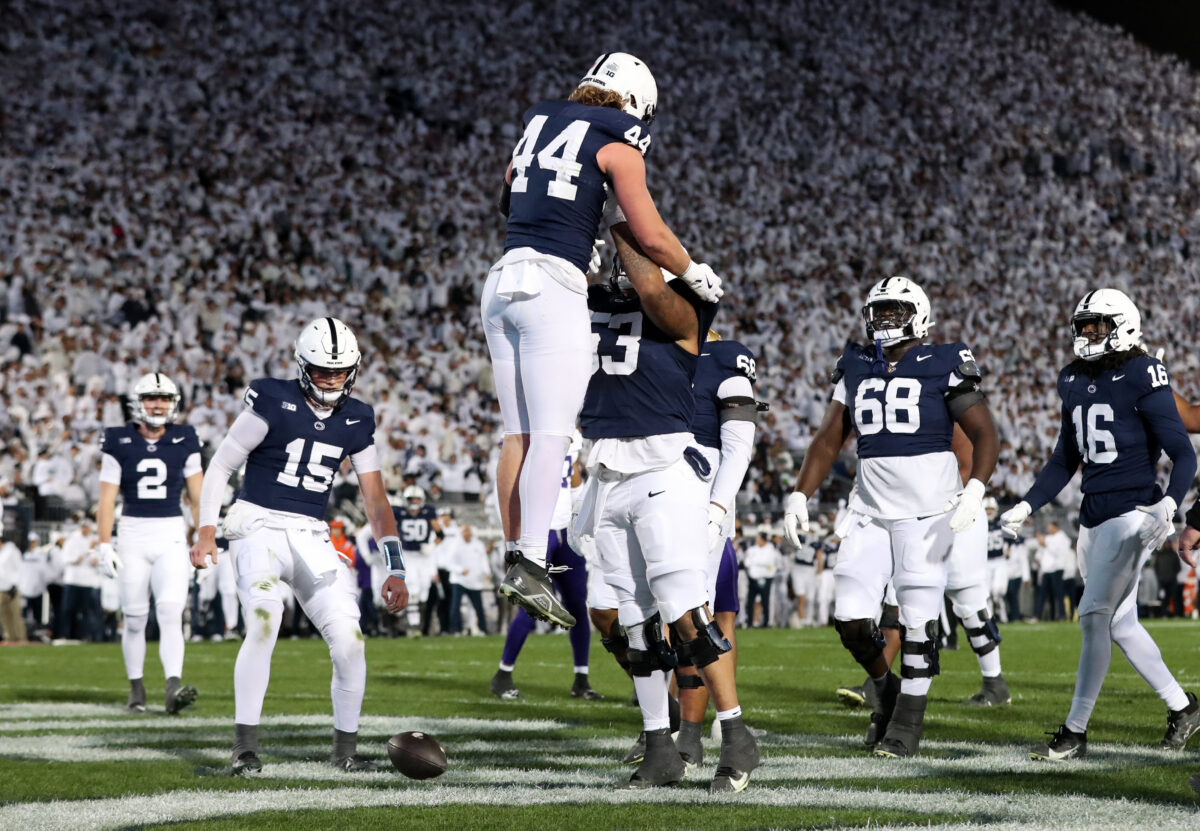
<point x="417" y="755"/>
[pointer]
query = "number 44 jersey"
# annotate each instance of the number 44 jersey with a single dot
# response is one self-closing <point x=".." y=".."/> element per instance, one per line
<point x="906" y="468"/>
<point x="292" y="469"/>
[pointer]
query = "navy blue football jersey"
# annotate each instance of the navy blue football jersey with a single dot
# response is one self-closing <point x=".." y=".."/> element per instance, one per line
<point x="641" y="382"/>
<point x="558" y="190"/>
<point x="830" y="549"/>
<point x="1116" y="422"/>
<point x="901" y="411"/>
<point x="995" y="539"/>
<point x="719" y="361"/>
<point x="151" y="471"/>
<point x="415" y="529"/>
<point x="293" y="468"/>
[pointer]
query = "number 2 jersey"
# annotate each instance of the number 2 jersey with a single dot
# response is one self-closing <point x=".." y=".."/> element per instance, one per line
<point x="902" y="417"/>
<point x="292" y="468"/>
<point x="1117" y="418"/>
<point x="151" y="474"/>
<point x="558" y="189"/>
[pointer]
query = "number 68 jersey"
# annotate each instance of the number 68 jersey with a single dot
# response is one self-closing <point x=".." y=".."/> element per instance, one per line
<point x="901" y="416"/>
<point x="151" y="474"/>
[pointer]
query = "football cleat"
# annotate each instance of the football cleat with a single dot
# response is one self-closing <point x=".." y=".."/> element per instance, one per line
<point x="355" y="764"/>
<point x="178" y="699"/>
<point x="739" y="756"/>
<point x="636" y="753"/>
<point x="135" y="707"/>
<point x="528" y="585"/>
<point x="661" y="764"/>
<point x="247" y="764"/>
<point x="994" y="694"/>
<point x="688" y="742"/>
<point x="1194" y="782"/>
<point x="502" y="686"/>
<point x="584" y="690"/>
<point x="1181" y="725"/>
<point x="853" y="697"/>
<point x="903" y="737"/>
<point x="885" y="703"/>
<point x="1063" y="744"/>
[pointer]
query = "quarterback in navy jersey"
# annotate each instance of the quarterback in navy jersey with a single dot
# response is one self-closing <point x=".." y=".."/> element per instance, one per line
<point x="292" y="437"/>
<point x="645" y="504"/>
<point x="148" y="462"/>
<point x="533" y="303"/>
<point x="902" y="397"/>
<point x="1118" y="417"/>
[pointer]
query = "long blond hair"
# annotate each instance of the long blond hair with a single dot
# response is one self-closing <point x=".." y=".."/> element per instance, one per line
<point x="597" y="97"/>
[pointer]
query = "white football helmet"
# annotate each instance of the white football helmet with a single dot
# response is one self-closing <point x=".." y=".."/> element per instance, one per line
<point x="990" y="504"/>
<point x="327" y="343"/>
<point x="879" y="312"/>
<point x="1114" y="308"/>
<point x="625" y="74"/>
<point x="154" y="384"/>
<point x="414" y="498"/>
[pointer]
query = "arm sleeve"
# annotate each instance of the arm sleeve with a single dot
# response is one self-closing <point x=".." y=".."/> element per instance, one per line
<point x="839" y="393"/>
<point x="110" y="470"/>
<point x="245" y="434"/>
<point x="366" y="460"/>
<point x="1058" y="471"/>
<point x="737" y="446"/>
<point x="1159" y="412"/>
<point x="192" y="466"/>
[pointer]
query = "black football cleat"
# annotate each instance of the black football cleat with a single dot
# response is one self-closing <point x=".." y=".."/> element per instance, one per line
<point x="503" y="688"/>
<point x="584" y="690"/>
<point x="662" y="765"/>
<point x="528" y="585"/>
<point x="180" y="698"/>
<point x="903" y="737"/>
<point x="853" y="697"/>
<point x="1063" y="744"/>
<point x="247" y="763"/>
<point x="1181" y="725"/>
<point x="884" y="696"/>
<point x="354" y="764"/>
<point x="739" y="756"/>
<point x="994" y="694"/>
<point x="688" y="742"/>
<point x="636" y="753"/>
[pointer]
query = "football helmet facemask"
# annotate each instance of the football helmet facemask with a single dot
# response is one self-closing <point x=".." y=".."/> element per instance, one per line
<point x="327" y="343"/>
<point x="628" y="76"/>
<point x="154" y="385"/>
<point x="897" y="309"/>
<point x="1114" y="321"/>
<point x="414" y="498"/>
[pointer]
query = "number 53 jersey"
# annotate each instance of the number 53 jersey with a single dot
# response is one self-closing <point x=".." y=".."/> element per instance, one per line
<point x="906" y="468"/>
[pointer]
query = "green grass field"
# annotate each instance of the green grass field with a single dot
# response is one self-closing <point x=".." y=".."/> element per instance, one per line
<point x="70" y="759"/>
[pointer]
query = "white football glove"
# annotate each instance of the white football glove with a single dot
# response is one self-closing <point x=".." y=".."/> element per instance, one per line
<point x="596" y="260"/>
<point x="109" y="561"/>
<point x="703" y="282"/>
<point x="1159" y="524"/>
<point x="967" y="504"/>
<point x="716" y="522"/>
<point x="1012" y="519"/>
<point x="795" y="517"/>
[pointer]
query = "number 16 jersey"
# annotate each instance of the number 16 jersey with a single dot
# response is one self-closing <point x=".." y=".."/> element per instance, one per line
<point x="906" y="468"/>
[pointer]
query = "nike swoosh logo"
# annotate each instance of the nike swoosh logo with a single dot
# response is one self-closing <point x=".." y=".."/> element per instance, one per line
<point x="178" y="440"/>
<point x="353" y="420"/>
<point x="655" y="493"/>
<point x="923" y="357"/>
<point x="1118" y="377"/>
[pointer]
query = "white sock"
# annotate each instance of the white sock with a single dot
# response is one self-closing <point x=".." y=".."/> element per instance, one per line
<point x="252" y="671"/>
<point x="133" y="645"/>
<point x="170" y="638"/>
<point x="1143" y="654"/>
<point x="725" y="715"/>
<point x="540" y="484"/>
<point x="581" y="670"/>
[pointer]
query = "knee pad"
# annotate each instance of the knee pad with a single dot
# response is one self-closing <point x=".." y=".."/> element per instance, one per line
<point x="657" y="655"/>
<point x="988" y="630"/>
<point x="169" y="614"/>
<point x="890" y="619"/>
<point x="928" y="648"/>
<point x="136" y="624"/>
<point x="618" y="644"/>
<point x="708" y="645"/>
<point x="862" y="639"/>
<point x="689" y="681"/>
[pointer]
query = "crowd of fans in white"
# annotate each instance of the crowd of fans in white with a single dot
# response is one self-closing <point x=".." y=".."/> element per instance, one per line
<point x="182" y="185"/>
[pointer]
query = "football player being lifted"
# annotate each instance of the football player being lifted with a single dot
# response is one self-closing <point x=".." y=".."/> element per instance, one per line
<point x="148" y="462"/>
<point x="534" y="304"/>
<point x="1118" y="415"/>
<point x="291" y="437"/>
<point x="902" y="397"/>
<point x="646" y="506"/>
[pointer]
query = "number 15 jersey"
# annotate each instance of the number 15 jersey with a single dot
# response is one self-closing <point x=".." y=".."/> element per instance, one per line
<point x="906" y="468"/>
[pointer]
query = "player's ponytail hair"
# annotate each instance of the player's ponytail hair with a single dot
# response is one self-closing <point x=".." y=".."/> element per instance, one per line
<point x="596" y="97"/>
